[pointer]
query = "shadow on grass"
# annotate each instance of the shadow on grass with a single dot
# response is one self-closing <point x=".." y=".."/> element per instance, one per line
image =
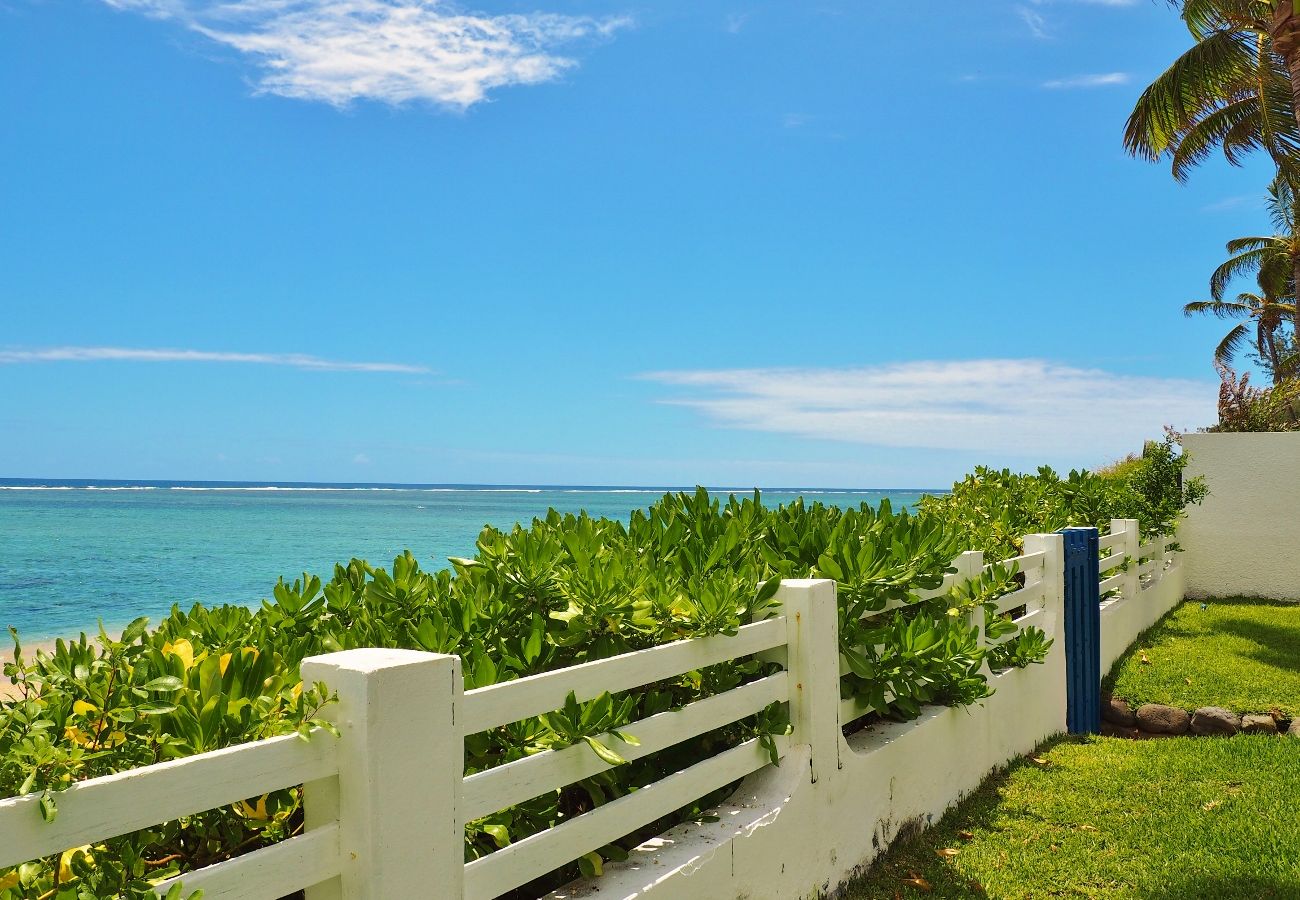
<point x="913" y="849"/>
<point x="1275" y="645"/>
<point x="1278" y="646"/>
<point x="1144" y="641"/>
<point x="1243" y="887"/>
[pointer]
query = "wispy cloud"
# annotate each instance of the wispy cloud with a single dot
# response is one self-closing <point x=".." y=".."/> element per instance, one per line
<point x="1036" y="22"/>
<point x="1022" y="406"/>
<point x="735" y="22"/>
<point x="392" y="51"/>
<point x="1227" y="204"/>
<point x="132" y="354"/>
<point x="1100" y="79"/>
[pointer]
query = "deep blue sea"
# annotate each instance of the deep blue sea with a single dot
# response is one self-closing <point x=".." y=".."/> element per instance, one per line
<point x="75" y="552"/>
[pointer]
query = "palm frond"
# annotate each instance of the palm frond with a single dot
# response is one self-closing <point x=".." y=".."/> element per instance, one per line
<point x="1223" y="309"/>
<point x="1230" y="346"/>
<point x="1206" y="77"/>
<point x="1246" y="263"/>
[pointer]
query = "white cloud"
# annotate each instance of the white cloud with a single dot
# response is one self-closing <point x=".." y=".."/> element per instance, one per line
<point x="1019" y="406"/>
<point x="393" y="51"/>
<point x="361" y="460"/>
<point x="1102" y="79"/>
<point x="735" y="22"/>
<point x="1227" y="204"/>
<point x="131" y="354"/>
<point x="1036" y="21"/>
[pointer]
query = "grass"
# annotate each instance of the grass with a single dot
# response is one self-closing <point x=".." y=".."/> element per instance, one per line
<point x="1238" y="653"/>
<point x="1207" y="818"/>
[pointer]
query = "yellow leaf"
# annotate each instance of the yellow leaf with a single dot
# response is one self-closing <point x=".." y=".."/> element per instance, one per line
<point x="183" y="650"/>
<point x="1087" y="828"/>
<point x="76" y="735"/>
<point x="597" y="864"/>
<point x="966" y="835"/>
<point x="1145" y="661"/>
<point x="81" y="707"/>
<point x="1040" y="760"/>
<point x="8" y="881"/>
<point x="225" y="662"/>
<point x="65" y="861"/>
<point x="947" y="852"/>
<point x="297" y="690"/>
<point x="918" y="882"/>
<point x="257" y="813"/>
<point x="1211" y="805"/>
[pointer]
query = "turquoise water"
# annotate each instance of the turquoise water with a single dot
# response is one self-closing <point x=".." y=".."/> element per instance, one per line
<point x="72" y="553"/>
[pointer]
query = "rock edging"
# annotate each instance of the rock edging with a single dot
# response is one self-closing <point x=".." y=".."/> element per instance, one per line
<point x="1152" y="720"/>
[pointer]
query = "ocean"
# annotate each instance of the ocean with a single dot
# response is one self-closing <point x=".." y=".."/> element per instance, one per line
<point x="73" y="553"/>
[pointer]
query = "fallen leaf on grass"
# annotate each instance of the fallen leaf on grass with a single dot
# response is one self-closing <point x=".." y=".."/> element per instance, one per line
<point x="1040" y="760"/>
<point x="947" y="852"/>
<point x="1187" y="680"/>
<point x="917" y="882"/>
<point x="1087" y="827"/>
<point x="1145" y="661"/>
<point x="1211" y="805"/>
<point x="966" y="835"/>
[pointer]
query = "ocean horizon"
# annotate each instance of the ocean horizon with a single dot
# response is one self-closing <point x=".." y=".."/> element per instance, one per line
<point x="74" y="552"/>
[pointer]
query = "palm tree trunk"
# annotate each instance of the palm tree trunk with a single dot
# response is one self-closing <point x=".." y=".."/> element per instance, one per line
<point x="1285" y="30"/>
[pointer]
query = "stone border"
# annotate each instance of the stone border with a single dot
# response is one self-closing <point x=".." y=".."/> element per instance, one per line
<point x="1152" y="720"/>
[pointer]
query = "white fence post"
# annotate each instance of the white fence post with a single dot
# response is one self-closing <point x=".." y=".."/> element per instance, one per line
<point x="401" y="761"/>
<point x="813" y="648"/>
<point x="1132" y="541"/>
<point x="1053" y="574"/>
<point x="970" y="566"/>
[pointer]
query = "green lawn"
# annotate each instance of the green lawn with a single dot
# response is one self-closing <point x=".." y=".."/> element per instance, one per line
<point x="1240" y="654"/>
<point x="1105" y="817"/>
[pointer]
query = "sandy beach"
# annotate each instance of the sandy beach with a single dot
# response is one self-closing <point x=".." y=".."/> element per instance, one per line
<point x="29" y="651"/>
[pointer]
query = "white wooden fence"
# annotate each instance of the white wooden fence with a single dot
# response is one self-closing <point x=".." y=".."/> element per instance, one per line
<point x="386" y="803"/>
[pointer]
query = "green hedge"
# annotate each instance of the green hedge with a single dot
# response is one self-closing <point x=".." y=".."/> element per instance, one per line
<point x="562" y="591"/>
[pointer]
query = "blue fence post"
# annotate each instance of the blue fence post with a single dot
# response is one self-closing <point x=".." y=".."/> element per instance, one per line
<point x="1082" y="631"/>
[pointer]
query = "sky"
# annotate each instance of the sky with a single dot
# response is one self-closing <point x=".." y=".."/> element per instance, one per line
<point x="825" y="244"/>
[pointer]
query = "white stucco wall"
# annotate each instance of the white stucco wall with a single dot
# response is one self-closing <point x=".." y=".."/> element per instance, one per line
<point x="1244" y="540"/>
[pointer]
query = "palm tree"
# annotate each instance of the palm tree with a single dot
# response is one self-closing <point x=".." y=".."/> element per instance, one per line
<point x="1237" y="88"/>
<point x="1267" y="317"/>
<point x="1271" y="259"/>
<point x="1228" y="90"/>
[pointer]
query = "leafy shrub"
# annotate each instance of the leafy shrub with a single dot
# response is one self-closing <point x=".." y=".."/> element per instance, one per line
<point x="995" y="508"/>
<point x="565" y="590"/>
<point x="1246" y="408"/>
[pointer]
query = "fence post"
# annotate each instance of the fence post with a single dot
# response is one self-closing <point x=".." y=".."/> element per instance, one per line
<point x="1053" y="575"/>
<point x="970" y="566"/>
<point x="401" y="761"/>
<point x="1082" y="631"/>
<point x="1132" y="541"/>
<point x="813" y="662"/>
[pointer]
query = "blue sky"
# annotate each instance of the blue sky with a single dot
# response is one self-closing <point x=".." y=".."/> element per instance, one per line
<point x="825" y="244"/>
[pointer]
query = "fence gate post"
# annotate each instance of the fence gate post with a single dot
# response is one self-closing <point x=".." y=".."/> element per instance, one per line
<point x="813" y="647"/>
<point x="1082" y="631"/>
<point x="401" y="761"/>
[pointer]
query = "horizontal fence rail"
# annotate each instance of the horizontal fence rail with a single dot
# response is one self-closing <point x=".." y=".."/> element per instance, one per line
<point x="495" y="789"/>
<point x="486" y="792"/>
<point x="510" y="701"/>
<point x="102" y="808"/>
